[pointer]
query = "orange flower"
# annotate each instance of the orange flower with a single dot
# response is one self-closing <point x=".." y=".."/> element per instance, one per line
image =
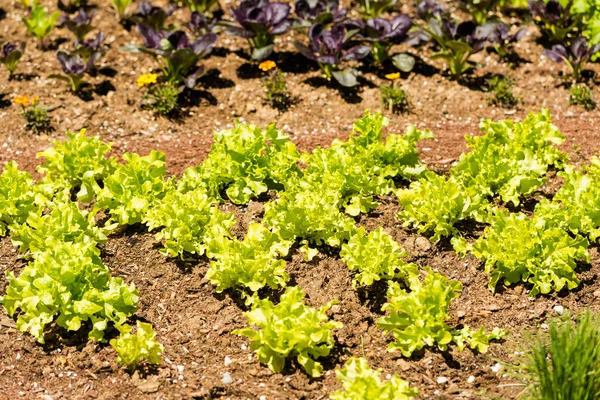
<point x="394" y="76"/>
<point x="267" y="65"/>
<point x="34" y="100"/>
<point x="21" y="100"/>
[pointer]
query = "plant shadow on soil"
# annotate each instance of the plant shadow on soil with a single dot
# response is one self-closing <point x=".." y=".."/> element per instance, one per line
<point x="212" y="79"/>
<point x="349" y="94"/>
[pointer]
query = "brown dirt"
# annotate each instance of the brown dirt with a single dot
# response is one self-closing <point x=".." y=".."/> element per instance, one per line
<point x="192" y="321"/>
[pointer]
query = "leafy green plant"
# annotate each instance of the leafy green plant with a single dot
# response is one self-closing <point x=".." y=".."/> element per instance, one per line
<point x="133" y="188"/>
<point x="62" y="221"/>
<point x="188" y="223"/>
<point x="512" y="158"/>
<point x="244" y="161"/>
<point x="418" y="318"/>
<point x="576" y="205"/>
<point x="563" y="362"/>
<point x="134" y="348"/>
<point x="249" y="264"/>
<point x="502" y="89"/>
<point x="40" y="24"/>
<point x="374" y="8"/>
<point x="517" y="248"/>
<point x="17" y="197"/>
<point x="71" y="162"/>
<point x="376" y="256"/>
<point x="290" y="328"/>
<point x="360" y="381"/>
<point x="68" y="284"/>
<point x="582" y="95"/>
<point x="121" y="7"/>
<point x="480" y="10"/>
<point x="11" y="55"/>
<point x="434" y="205"/>
<point x="201" y="6"/>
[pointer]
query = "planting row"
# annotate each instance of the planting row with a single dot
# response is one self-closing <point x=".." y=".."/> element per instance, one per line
<point x="334" y="40"/>
<point x="55" y="222"/>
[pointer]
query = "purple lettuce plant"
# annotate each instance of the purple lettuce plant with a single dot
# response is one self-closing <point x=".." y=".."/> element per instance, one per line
<point x="381" y="34"/>
<point x="575" y="56"/>
<point x="427" y="9"/>
<point x="555" y="21"/>
<point x="329" y="48"/>
<point x="260" y="22"/>
<point x="11" y="55"/>
<point x="457" y="42"/>
<point x="73" y="67"/>
<point x="324" y="12"/>
<point x="152" y="16"/>
<point x="497" y="34"/>
<point x="80" y="25"/>
<point x="175" y="53"/>
<point x="91" y="49"/>
<point x="200" y="25"/>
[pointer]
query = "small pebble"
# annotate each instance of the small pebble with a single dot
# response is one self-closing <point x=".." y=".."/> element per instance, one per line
<point x="227" y="361"/>
<point x="442" y="379"/>
<point x="560" y="310"/>
<point x="471" y="379"/>
<point x="227" y="379"/>
<point x="497" y="367"/>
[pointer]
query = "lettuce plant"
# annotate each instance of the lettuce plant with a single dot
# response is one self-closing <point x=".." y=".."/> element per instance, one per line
<point x="152" y="16"/>
<point x="360" y="381"/>
<point x="517" y="248"/>
<point x="188" y="223"/>
<point x="71" y="162"/>
<point x="40" y="24"/>
<point x="555" y="20"/>
<point x="418" y="318"/>
<point x="576" y="205"/>
<point x="376" y="256"/>
<point x="324" y="12"/>
<point x="203" y="7"/>
<point x="245" y="162"/>
<point x="62" y="221"/>
<point x="175" y="53"/>
<point x="91" y="50"/>
<point x="575" y="56"/>
<point x="479" y="10"/>
<point x="80" y="25"/>
<point x="512" y="158"/>
<point x="427" y="9"/>
<point x="121" y="7"/>
<point x="17" y="196"/>
<point x="68" y="284"/>
<point x="497" y="34"/>
<point x="74" y="67"/>
<point x="374" y="8"/>
<point x="260" y="21"/>
<point x="458" y="41"/>
<point x="381" y="34"/>
<point x="134" y="348"/>
<point x="329" y="48"/>
<point x="290" y="328"/>
<point x="11" y="55"/>
<point x="434" y="205"/>
<point x="133" y="188"/>
<point x="250" y="264"/>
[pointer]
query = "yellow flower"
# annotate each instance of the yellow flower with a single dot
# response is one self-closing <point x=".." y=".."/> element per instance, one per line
<point x="146" y="79"/>
<point x="22" y="100"/>
<point x="267" y="65"/>
<point x="34" y="100"/>
<point x="394" y="76"/>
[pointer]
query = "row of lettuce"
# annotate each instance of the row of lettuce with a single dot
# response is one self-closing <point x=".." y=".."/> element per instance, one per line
<point x="84" y="196"/>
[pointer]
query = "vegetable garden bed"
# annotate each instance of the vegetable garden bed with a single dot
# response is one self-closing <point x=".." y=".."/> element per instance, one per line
<point x="189" y="303"/>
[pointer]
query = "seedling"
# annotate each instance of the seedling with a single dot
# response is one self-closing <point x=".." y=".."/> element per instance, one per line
<point x="582" y="95"/>
<point x="121" y="7"/>
<point x="575" y="56"/>
<point x="40" y="24"/>
<point x="34" y="113"/>
<point x="275" y="86"/>
<point x="393" y="96"/>
<point x="11" y="56"/>
<point x="502" y="89"/>
<point x="161" y="97"/>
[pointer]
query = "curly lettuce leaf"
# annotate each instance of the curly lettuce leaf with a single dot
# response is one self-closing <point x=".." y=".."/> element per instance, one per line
<point x="132" y="349"/>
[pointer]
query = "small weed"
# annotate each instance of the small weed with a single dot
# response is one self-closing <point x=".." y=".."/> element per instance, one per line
<point x="582" y="95"/>
<point x="502" y="89"/>
<point x="34" y="113"/>
<point x="275" y="86"/>
<point x="393" y="96"/>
